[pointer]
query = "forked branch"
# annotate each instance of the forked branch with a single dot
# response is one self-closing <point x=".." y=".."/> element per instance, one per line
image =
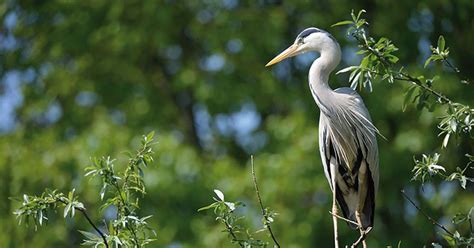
<point x="363" y="235"/>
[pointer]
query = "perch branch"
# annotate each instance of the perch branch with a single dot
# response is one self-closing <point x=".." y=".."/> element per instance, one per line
<point x="362" y="237"/>
<point x="344" y="219"/>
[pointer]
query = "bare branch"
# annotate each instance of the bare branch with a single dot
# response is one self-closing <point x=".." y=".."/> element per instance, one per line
<point x="363" y="236"/>
<point x="426" y="215"/>
<point x="231" y="232"/>
<point x="84" y="212"/>
<point x="455" y="69"/>
<point x="264" y="212"/>
<point x="344" y="219"/>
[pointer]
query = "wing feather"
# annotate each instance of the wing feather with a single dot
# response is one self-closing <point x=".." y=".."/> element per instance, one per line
<point x="347" y="140"/>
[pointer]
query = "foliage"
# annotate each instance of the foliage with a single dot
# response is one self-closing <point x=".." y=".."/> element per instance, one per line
<point x="83" y="77"/>
<point x="126" y="189"/>
<point x="226" y="215"/>
<point x="428" y="167"/>
<point x="36" y="207"/>
<point x="379" y="61"/>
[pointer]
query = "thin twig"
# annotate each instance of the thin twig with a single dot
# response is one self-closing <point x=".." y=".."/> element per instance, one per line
<point x="229" y="229"/>
<point x="426" y="215"/>
<point x="361" y="238"/>
<point x="127" y="212"/>
<point x="408" y="78"/>
<point x="84" y="212"/>
<point x="344" y="219"/>
<point x="264" y="212"/>
<point x="405" y="77"/>
<point x="358" y="241"/>
<point x="419" y="83"/>
<point x="455" y="69"/>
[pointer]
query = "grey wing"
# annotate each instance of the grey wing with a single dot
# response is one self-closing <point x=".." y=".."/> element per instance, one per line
<point x="324" y="149"/>
<point x="349" y="143"/>
<point x="329" y="159"/>
<point x="367" y="132"/>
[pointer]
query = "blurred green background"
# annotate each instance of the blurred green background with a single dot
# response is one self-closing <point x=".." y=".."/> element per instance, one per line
<point x="87" y="78"/>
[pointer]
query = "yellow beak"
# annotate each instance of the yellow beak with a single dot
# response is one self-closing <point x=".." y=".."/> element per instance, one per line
<point x="289" y="52"/>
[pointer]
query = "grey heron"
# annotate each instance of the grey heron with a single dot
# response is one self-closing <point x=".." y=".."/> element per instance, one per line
<point x="347" y="137"/>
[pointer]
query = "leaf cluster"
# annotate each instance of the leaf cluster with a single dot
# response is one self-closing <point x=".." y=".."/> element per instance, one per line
<point x="120" y="190"/>
<point x="378" y="55"/>
<point x="225" y="213"/>
<point x="380" y="63"/>
<point x="428" y="167"/>
<point x="36" y="207"/>
<point x="439" y="53"/>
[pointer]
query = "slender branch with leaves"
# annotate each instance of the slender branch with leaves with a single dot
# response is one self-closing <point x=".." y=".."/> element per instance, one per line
<point x="225" y="213"/>
<point x="379" y="63"/>
<point x="268" y="215"/>
<point x="120" y="190"/>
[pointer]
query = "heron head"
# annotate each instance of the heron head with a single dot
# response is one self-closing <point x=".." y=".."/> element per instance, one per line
<point x="310" y="39"/>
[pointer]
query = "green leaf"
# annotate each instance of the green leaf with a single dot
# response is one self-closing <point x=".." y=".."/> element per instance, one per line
<point x="367" y="85"/>
<point x="67" y="209"/>
<point x="360" y="23"/>
<point x="441" y="43"/>
<point x="353" y="16"/>
<point x="71" y="195"/>
<point x="360" y="13"/>
<point x="213" y="205"/>
<point x="354" y="80"/>
<point x="350" y="68"/>
<point x="365" y="62"/>
<point x="427" y="62"/>
<point x="446" y="140"/>
<point x="150" y="136"/>
<point x="342" y="23"/>
<point x="408" y="97"/>
<point x="463" y="181"/>
<point x="219" y="194"/>
<point x="450" y="240"/>
<point x="453" y="124"/>
<point x="392" y="58"/>
<point x="88" y="235"/>
<point x="40" y="217"/>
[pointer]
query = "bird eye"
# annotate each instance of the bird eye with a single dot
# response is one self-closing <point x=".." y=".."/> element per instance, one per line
<point x="300" y="41"/>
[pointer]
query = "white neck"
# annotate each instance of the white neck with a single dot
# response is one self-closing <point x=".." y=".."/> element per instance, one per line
<point x="325" y="64"/>
<point x="320" y="71"/>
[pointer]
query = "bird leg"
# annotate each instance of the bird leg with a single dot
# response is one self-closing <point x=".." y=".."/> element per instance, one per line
<point x="361" y="238"/>
<point x="334" y="206"/>
<point x="334" y="219"/>
<point x="363" y="233"/>
<point x="362" y="195"/>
